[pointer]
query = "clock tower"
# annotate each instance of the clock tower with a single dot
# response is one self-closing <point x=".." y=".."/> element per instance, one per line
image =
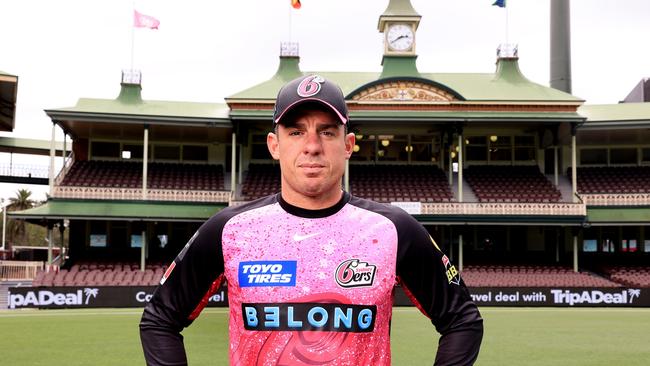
<point x="399" y="23"/>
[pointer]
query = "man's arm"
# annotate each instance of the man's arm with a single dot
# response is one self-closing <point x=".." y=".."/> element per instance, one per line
<point x="433" y="283"/>
<point x="195" y="274"/>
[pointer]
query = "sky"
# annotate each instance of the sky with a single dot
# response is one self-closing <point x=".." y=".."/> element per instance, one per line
<point x="205" y="50"/>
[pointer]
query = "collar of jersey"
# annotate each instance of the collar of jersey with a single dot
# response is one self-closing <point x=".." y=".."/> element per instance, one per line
<point x="313" y="214"/>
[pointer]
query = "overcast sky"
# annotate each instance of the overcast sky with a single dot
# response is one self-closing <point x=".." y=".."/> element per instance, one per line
<point x="207" y="50"/>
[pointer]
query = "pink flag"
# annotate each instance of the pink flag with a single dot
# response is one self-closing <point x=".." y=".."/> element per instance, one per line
<point x="144" y="21"/>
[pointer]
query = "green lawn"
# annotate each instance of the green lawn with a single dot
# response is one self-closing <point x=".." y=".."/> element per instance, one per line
<point x="513" y="336"/>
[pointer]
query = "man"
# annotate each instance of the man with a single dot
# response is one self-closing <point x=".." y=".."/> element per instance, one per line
<point x="311" y="270"/>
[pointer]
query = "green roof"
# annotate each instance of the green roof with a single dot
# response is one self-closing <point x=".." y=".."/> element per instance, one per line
<point x="56" y="209"/>
<point x="507" y="84"/>
<point x="130" y="104"/>
<point x="618" y="215"/>
<point x="29" y="146"/>
<point x="613" y="115"/>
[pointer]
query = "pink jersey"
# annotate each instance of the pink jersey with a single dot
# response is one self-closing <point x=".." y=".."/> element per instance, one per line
<point x="328" y="270"/>
<point x="311" y="287"/>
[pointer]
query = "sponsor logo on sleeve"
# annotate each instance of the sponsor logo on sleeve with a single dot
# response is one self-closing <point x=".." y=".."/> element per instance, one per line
<point x="355" y="273"/>
<point x="452" y="273"/>
<point x="267" y="273"/>
<point x="167" y="273"/>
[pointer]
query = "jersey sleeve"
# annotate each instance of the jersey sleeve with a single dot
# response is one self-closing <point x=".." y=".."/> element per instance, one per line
<point x="433" y="283"/>
<point x="192" y="277"/>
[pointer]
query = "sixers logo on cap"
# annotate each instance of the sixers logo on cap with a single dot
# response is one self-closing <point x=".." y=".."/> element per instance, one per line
<point x="310" y="86"/>
<point x="355" y="273"/>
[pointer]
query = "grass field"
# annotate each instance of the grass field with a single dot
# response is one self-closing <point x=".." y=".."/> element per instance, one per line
<point x="513" y="336"/>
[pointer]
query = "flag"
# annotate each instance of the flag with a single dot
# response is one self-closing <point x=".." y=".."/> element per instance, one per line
<point x="500" y="3"/>
<point x="295" y="4"/>
<point x="144" y="21"/>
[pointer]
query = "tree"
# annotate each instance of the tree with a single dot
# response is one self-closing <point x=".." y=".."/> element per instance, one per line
<point x="16" y="228"/>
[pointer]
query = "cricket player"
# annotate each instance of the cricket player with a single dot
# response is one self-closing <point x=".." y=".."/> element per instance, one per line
<point x="311" y="270"/>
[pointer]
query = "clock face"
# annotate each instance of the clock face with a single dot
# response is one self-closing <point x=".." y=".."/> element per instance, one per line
<point x="400" y="37"/>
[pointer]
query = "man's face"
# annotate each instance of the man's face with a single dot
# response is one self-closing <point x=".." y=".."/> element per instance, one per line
<point x="312" y="149"/>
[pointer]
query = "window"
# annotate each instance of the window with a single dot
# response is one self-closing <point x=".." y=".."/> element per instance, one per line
<point x="259" y="149"/>
<point x="590" y="240"/>
<point x="366" y="148"/>
<point x="623" y="156"/>
<point x="193" y="152"/>
<point x="645" y="155"/>
<point x="100" y="149"/>
<point x="593" y="156"/>
<point x="98" y="234"/>
<point x="118" y="234"/>
<point x="134" y="149"/>
<point x="476" y="148"/>
<point x="167" y="152"/>
<point x="501" y="149"/>
<point x="525" y="148"/>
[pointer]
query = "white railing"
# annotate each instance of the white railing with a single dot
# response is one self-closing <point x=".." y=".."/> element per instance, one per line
<point x="617" y="199"/>
<point x="504" y="208"/>
<point x="117" y="193"/>
<point x="19" y="270"/>
<point x="66" y="167"/>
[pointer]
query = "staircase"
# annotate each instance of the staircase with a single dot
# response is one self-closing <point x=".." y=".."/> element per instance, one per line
<point x="4" y="294"/>
<point x="564" y="186"/>
<point x="4" y="291"/>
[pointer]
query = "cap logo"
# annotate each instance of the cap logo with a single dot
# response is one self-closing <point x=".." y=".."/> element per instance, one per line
<point x="310" y="86"/>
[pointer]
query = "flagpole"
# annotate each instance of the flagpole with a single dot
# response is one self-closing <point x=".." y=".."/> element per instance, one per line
<point x="132" y="33"/>
<point x="290" y="23"/>
<point x="507" y="27"/>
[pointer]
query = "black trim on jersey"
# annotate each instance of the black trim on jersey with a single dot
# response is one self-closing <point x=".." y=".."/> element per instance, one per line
<point x="313" y="214"/>
<point x="420" y="268"/>
<point x="197" y="267"/>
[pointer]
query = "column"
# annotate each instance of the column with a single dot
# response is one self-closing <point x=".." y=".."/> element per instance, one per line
<point x="52" y="150"/>
<point x="555" y="166"/>
<point x="575" y="252"/>
<point x="143" y="250"/>
<point x="145" y="158"/>
<point x="64" y="148"/>
<point x="233" y="161"/>
<point x="50" y="242"/>
<point x="574" y="168"/>
<point x="61" y="233"/>
<point x="240" y="168"/>
<point x="460" y="166"/>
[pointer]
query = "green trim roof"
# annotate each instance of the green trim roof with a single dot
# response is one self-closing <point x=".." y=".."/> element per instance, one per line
<point x="616" y="215"/>
<point x="130" y="106"/>
<point x="610" y="115"/>
<point x="29" y="146"/>
<point x="505" y="85"/>
<point x="119" y="210"/>
<point x="428" y="116"/>
<point x="149" y="108"/>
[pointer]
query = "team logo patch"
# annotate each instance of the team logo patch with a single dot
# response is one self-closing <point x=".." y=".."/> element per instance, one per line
<point x="267" y="273"/>
<point x="310" y="86"/>
<point x="452" y="273"/>
<point x="355" y="273"/>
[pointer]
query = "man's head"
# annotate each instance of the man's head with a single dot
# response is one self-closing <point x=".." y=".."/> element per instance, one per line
<point x="310" y="140"/>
